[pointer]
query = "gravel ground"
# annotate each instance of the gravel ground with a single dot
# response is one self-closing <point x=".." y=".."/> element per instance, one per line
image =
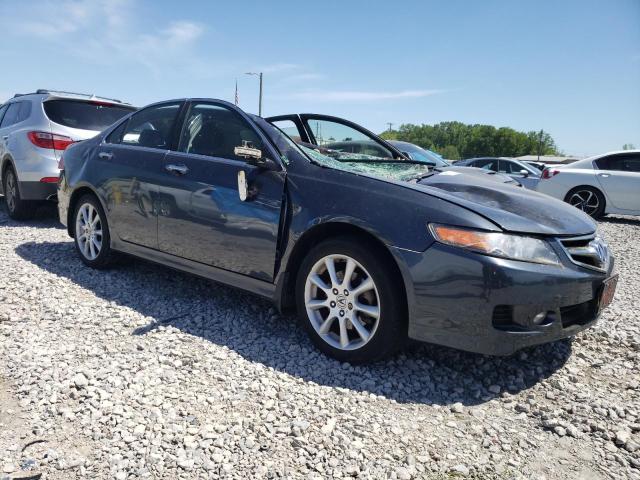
<point x="142" y="372"/>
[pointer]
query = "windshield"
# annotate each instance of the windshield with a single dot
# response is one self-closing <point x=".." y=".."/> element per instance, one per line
<point x="85" y="115"/>
<point x="398" y="170"/>
<point x="420" y="154"/>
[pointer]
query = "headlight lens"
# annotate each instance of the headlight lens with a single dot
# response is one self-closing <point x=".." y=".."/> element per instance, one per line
<point x="503" y="245"/>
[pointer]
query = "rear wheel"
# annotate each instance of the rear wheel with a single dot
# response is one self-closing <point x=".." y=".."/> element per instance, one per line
<point x="17" y="208"/>
<point x="349" y="303"/>
<point x="588" y="199"/>
<point x="91" y="232"/>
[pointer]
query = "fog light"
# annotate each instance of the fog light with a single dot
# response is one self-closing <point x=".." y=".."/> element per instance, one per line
<point x="539" y="318"/>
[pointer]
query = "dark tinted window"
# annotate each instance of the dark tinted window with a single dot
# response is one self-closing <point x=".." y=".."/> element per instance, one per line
<point x="11" y="115"/>
<point x="152" y="127"/>
<point x="512" y="167"/>
<point x="625" y="163"/>
<point x="84" y="115"/>
<point x="216" y="131"/>
<point x="486" y="164"/>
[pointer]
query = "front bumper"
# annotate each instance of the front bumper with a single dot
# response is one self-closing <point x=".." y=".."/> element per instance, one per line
<point x="487" y="305"/>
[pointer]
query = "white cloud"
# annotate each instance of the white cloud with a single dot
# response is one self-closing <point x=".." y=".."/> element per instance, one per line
<point x="182" y="32"/>
<point x="104" y="32"/>
<point x="359" y="95"/>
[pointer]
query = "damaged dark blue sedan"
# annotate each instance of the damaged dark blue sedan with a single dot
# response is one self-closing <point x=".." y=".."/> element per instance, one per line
<point x="370" y="247"/>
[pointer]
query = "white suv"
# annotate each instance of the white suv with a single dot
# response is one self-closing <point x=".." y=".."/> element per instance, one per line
<point x="34" y="130"/>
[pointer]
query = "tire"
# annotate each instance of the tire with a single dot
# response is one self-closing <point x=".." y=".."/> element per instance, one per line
<point x="17" y="208"/>
<point x="91" y="233"/>
<point x="344" y="325"/>
<point x="588" y="199"/>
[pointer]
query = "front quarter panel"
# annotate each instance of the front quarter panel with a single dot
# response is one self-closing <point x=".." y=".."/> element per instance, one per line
<point x="397" y="216"/>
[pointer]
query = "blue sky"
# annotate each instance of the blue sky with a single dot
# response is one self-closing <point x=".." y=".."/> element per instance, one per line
<point x="569" y="67"/>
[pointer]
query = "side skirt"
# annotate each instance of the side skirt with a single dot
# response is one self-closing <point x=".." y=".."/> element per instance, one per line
<point x="243" y="282"/>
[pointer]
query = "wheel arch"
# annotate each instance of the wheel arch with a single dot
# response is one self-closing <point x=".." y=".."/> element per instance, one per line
<point x="285" y="283"/>
<point x="5" y="163"/>
<point x="588" y="186"/>
<point x="75" y="196"/>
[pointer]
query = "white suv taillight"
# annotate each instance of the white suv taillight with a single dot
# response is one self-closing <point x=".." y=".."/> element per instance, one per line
<point x="49" y="140"/>
<point x="549" y="172"/>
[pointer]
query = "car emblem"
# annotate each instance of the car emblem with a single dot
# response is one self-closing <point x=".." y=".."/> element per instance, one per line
<point x="342" y="302"/>
<point x="600" y="249"/>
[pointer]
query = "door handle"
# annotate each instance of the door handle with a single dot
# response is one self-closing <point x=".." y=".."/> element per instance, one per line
<point x="105" y="155"/>
<point x="604" y="175"/>
<point x="176" y="169"/>
<point x="5" y="137"/>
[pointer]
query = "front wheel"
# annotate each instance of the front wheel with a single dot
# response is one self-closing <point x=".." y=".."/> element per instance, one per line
<point x="588" y="199"/>
<point x="91" y="232"/>
<point x="349" y="303"/>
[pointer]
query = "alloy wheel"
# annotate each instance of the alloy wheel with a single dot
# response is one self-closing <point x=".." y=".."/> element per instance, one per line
<point x="342" y="302"/>
<point x="585" y="200"/>
<point x="89" y="231"/>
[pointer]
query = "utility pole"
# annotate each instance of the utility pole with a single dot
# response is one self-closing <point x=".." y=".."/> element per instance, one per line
<point x="259" y="75"/>
<point x="390" y="125"/>
<point x="540" y="144"/>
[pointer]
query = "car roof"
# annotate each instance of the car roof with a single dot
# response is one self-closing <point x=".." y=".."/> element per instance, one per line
<point x="46" y="93"/>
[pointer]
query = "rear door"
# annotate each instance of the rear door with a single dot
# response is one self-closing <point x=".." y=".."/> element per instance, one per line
<point x="619" y="176"/>
<point x="201" y="216"/>
<point x="131" y="161"/>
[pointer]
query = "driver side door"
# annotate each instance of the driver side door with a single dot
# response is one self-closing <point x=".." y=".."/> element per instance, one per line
<point x="335" y="134"/>
<point x="201" y="215"/>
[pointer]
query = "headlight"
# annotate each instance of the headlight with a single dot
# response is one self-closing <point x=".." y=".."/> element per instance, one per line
<point x="503" y="245"/>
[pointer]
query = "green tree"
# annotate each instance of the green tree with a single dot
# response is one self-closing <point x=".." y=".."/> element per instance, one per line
<point x="628" y="146"/>
<point x="450" y="152"/>
<point x="474" y="140"/>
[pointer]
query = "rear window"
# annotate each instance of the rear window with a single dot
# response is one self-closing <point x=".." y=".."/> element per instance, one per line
<point x="84" y="115"/>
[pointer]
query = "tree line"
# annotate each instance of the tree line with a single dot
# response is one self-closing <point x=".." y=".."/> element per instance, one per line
<point x="457" y="140"/>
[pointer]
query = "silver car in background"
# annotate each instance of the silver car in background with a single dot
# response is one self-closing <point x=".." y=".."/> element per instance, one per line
<point x="520" y="171"/>
<point x="35" y="129"/>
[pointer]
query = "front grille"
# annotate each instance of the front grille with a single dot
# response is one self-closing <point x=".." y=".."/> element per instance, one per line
<point x="588" y="251"/>
<point x="579" y="314"/>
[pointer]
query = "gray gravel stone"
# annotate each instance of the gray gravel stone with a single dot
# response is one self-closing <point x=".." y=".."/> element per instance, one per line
<point x="143" y="372"/>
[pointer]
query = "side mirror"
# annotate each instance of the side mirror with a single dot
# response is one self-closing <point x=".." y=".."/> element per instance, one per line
<point x="524" y="173"/>
<point x="408" y="155"/>
<point x="254" y="156"/>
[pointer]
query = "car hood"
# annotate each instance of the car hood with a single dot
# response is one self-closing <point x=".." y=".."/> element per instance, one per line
<point x="512" y="208"/>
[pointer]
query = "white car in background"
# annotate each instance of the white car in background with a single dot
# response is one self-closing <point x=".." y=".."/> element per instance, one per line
<point x="608" y="183"/>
